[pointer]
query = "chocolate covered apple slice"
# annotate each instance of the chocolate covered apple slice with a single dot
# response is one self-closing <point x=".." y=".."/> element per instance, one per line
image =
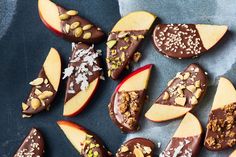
<point x="186" y="40"/>
<point x="32" y="146"/>
<point x="67" y="23"/>
<point x="136" y="147"/>
<point x="221" y="127"/>
<point x="124" y="39"/>
<point x="183" y="93"/>
<point x="45" y="86"/>
<point x="128" y="98"/>
<point x="84" y="141"/>
<point x="186" y="140"/>
<point x="84" y="73"/>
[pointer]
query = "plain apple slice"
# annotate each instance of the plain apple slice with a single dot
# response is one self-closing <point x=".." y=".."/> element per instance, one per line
<point x="67" y="23"/>
<point x="128" y="98"/>
<point x="221" y="128"/>
<point x="183" y="93"/>
<point x="33" y="144"/>
<point x="83" y="140"/>
<point x="45" y="86"/>
<point x="187" y="138"/>
<point x="124" y="40"/>
<point x="138" y="147"/>
<point x="186" y="40"/>
<point x="233" y="154"/>
<point x="84" y="72"/>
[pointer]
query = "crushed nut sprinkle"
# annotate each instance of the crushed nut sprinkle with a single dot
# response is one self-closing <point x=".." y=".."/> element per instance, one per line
<point x="138" y="150"/>
<point x="91" y="147"/>
<point x="221" y="127"/>
<point x="87" y="57"/>
<point x="178" y="39"/>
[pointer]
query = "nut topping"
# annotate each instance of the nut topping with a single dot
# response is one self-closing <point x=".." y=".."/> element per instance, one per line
<point x="191" y="88"/>
<point x="198" y="93"/>
<point x="111" y="43"/>
<point x="166" y="96"/>
<point x="122" y="34"/>
<point x="64" y="17"/>
<point x="24" y="106"/>
<point x="87" y="35"/>
<point x="180" y="101"/>
<point x="186" y="75"/>
<point x="197" y="83"/>
<point x="138" y="153"/>
<point x="87" y="27"/>
<point x="74" y="25"/>
<point x="124" y="149"/>
<point x="72" y="12"/>
<point x="193" y="100"/>
<point x="36" y="82"/>
<point x="137" y="56"/>
<point x="37" y="92"/>
<point x="45" y="95"/>
<point x="78" y="32"/>
<point x="35" y="103"/>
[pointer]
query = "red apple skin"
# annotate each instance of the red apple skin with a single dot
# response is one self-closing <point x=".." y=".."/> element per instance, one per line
<point x="68" y="123"/>
<point x="148" y="66"/>
<point x="85" y="104"/>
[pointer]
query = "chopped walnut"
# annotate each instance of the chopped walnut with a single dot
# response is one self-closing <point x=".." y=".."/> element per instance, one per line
<point x="211" y="141"/>
<point x="123" y="107"/>
<point x="131" y="121"/>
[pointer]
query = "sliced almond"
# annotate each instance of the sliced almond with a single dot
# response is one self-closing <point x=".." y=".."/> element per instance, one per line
<point x="45" y="95"/>
<point x="124" y="149"/>
<point x="111" y="43"/>
<point x="170" y="82"/>
<point x="134" y="37"/>
<point x="46" y="81"/>
<point x="67" y="28"/>
<point x="87" y="27"/>
<point x="122" y="34"/>
<point x="35" y="103"/>
<point x="191" y="88"/>
<point x="138" y="153"/>
<point x="193" y="100"/>
<point x="186" y="75"/>
<point x="166" y="96"/>
<point x="147" y="150"/>
<point x="24" y="106"/>
<point x="178" y="75"/>
<point x="180" y="91"/>
<point x="197" y="83"/>
<point x="36" y="82"/>
<point x="198" y="93"/>
<point x="37" y="92"/>
<point x="180" y="101"/>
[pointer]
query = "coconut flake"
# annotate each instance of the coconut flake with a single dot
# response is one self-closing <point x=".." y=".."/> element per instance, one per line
<point x="68" y="71"/>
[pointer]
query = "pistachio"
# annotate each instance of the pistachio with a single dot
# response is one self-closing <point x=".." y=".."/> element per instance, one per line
<point x="134" y="37"/>
<point x="35" y="103"/>
<point x="87" y="27"/>
<point x="123" y="56"/>
<point x="67" y="28"/>
<point x="122" y="34"/>
<point x="137" y="56"/>
<point x="197" y="83"/>
<point x="193" y="100"/>
<point x="140" y="36"/>
<point x="113" y="66"/>
<point x="36" y="82"/>
<point x="138" y="153"/>
<point x="166" y="96"/>
<point x="180" y="101"/>
<point x="78" y="32"/>
<point x="186" y="75"/>
<point x="89" y="136"/>
<point x="87" y="35"/>
<point x="111" y="43"/>
<point x="37" y="92"/>
<point x="72" y="12"/>
<point x="126" y="39"/>
<point x="113" y="52"/>
<point x="95" y="153"/>
<point x="64" y="17"/>
<point x="191" y="88"/>
<point x="74" y="25"/>
<point x="24" y="106"/>
<point x="124" y="149"/>
<point x="198" y="93"/>
<point x="45" y="95"/>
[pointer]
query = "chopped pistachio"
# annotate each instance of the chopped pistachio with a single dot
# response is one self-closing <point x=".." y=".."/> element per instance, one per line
<point x="123" y="56"/>
<point x="111" y="43"/>
<point x="140" y="36"/>
<point x="74" y="25"/>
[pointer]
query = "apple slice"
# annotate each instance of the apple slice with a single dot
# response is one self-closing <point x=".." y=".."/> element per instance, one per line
<point x="83" y="74"/>
<point x="233" y="154"/>
<point x="221" y="128"/>
<point x="124" y="39"/>
<point x="187" y="138"/>
<point x="45" y="86"/>
<point x="67" y="23"/>
<point x="128" y="98"/>
<point x="85" y="142"/>
<point x="183" y="93"/>
<point x="138" y="147"/>
<point x="186" y="40"/>
<point x="33" y="144"/>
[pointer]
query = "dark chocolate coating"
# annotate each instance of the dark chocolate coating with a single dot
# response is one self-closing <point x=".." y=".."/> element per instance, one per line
<point x="178" y="40"/>
<point x="129" y="52"/>
<point x="188" y="146"/>
<point x="223" y="119"/>
<point x="194" y="76"/>
<point x="119" y="119"/>
<point x="132" y="143"/>
<point x="32" y="146"/>
<point x="43" y="87"/>
<point x="95" y="74"/>
<point x="97" y="34"/>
